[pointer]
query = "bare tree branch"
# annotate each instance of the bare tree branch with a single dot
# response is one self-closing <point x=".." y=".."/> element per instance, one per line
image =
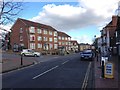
<point x="9" y="10"/>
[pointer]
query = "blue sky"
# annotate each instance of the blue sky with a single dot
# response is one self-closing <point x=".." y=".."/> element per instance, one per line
<point x="81" y="20"/>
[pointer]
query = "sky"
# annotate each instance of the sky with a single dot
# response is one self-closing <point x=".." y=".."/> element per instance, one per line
<point x="81" y="19"/>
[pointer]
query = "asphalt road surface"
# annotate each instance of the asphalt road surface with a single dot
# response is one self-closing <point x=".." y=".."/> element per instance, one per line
<point x="53" y="72"/>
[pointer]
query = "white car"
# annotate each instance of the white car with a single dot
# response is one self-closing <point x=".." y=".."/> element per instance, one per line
<point x="29" y="52"/>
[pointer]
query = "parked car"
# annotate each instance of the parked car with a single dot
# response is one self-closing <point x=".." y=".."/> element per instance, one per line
<point x="29" y="52"/>
<point x="87" y="55"/>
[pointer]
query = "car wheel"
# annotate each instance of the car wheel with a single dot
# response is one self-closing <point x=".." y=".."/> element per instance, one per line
<point x="23" y="54"/>
<point x="35" y="55"/>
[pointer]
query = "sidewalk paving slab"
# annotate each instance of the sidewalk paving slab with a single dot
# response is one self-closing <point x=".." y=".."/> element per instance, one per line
<point x="106" y="82"/>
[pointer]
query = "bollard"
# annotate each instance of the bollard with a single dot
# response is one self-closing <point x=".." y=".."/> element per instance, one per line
<point x="21" y="60"/>
<point x="102" y="74"/>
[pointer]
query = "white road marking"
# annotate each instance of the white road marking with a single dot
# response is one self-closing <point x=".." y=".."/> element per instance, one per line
<point x="84" y="85"/>
<point x="65" y="62"/>
<point x="45" y="72"/>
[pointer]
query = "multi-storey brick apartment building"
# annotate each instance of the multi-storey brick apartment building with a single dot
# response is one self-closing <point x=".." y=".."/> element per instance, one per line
<point x="64" y="41"/>
<point x="38" y="36"/>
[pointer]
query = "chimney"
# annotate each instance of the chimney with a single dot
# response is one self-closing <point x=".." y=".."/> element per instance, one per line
<point x="114" y="20"/>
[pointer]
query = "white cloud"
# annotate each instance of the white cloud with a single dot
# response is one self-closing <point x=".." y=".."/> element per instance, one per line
<point x="6" y="27"/>
<point x="83" y="39"/>
<point x="68" y="17"/>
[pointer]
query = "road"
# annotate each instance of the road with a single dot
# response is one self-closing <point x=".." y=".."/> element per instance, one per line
<point x="53" y="72"/>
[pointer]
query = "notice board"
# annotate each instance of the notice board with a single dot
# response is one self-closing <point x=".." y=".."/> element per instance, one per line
<point x="109" y="70"/>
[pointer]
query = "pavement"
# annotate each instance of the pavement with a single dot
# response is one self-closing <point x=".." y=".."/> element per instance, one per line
<point x="106" y="82"/>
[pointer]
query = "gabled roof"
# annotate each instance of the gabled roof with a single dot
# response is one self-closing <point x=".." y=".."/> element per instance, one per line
<point x="35" y="24"/>
<point x="63" y="34"/>
<point x="74" y="41"/>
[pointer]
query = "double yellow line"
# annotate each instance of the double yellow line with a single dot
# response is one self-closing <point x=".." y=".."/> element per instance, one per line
<point x="85" y="82"/>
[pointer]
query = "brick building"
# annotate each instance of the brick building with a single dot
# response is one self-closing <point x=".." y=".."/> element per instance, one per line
<point x="40" y="37"/>
<point x="83" y="47"/>
<point x="34" y="35"/>
<point x="108" y="36"/>
<point x="64" y="41"/>
<point x="74" y="45"/>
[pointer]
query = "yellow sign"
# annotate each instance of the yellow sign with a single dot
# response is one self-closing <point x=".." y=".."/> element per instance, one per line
<point x="109" y="70"/>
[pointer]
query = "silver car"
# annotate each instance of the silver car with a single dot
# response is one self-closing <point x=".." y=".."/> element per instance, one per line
<point x="86" y="55"/>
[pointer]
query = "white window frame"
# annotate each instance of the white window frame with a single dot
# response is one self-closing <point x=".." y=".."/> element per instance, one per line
<point x="51" y="46"/>
<point x="66" y="43"/>
<point x="55" y="46"/>
<point x="21" y="44"/>
<point x="32" y="45"/>
<point x="32" y="29"/>
<point x="39" y="45"/>
<point x="31" y="36"/>
<point x="39" y="30"/>
<point x="63" y="38"/>
<point x="55" y="40"/>
<point x="59" y="43"/>
<point x="69" y="38"/>
<point x="50" y="33"/>
<point x="59" y="37"/>
<point x="45" y="31"/>
<point x="45" y="38"/>
<point x="50" y="39"/>
<point x="21" y="30"/>
<point x="21" y="38"/>
<point x="39" y="38"/>
<point x="55" y="33"/>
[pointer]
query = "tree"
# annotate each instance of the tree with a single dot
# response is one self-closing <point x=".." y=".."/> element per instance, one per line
<point x="9" y="9"/>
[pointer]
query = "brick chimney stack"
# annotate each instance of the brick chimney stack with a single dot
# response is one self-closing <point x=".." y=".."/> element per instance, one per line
<point x="114" y="20"/>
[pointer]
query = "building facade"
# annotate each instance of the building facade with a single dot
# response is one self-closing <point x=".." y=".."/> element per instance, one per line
<point x="39" y="37"/>
<point x="64" y="41"/>
<point x="83" y="47"/>
<point x="118" y="37"/>
<point x="33" y="35"/>
<point x="74" y="45"/>
<point x="108" y="37"/>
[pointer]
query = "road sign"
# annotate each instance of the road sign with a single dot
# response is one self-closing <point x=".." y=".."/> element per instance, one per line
<point x="109" y="70"/>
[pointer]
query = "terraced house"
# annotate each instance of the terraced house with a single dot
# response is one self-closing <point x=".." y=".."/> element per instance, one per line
<point x="39" y="37"/>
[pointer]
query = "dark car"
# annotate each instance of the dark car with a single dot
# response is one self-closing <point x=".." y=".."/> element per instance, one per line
<point x="87" y="55"/>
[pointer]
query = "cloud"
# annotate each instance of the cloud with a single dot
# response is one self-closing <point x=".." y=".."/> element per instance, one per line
<point x="83" y="39"/>
<point x="68" y="17"/>
<point x="6" y="27"/>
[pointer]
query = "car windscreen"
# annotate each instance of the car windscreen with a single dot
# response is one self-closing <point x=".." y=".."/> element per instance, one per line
<point x="87" y="52"/>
